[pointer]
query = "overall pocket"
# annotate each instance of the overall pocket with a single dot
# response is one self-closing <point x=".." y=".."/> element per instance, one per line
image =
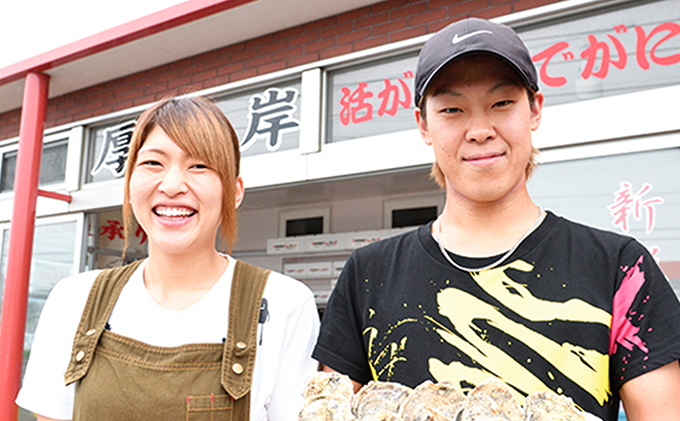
<point x="210" y="407"/>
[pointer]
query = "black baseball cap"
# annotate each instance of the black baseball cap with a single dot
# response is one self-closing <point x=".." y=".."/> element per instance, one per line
<point x="472" y="35"/>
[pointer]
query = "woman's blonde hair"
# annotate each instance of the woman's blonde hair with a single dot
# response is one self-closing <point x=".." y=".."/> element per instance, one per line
<point x="201" y="130"/>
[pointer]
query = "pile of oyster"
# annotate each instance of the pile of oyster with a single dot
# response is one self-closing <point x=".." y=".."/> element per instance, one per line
<point x="330" y="397"/>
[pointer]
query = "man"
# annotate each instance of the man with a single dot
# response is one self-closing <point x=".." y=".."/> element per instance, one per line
<point x="497" y="286"/>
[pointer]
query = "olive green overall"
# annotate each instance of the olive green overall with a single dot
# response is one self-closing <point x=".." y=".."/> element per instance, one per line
<point x="123" y="379"/>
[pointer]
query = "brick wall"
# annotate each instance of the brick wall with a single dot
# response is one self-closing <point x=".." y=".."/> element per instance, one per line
<point x="371" y="26"/>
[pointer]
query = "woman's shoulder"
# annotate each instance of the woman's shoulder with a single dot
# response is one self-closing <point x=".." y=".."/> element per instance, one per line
<point x="71" y="292"/>
<point x="287" y="286"/>
<point x="284" y="292"/>
<point x="75" y="284"/>
<point x="279" y="283"/>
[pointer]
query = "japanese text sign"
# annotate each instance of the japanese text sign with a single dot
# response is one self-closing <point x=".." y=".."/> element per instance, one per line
<point x="266" y="119"/>
<point x="611" y="53"/>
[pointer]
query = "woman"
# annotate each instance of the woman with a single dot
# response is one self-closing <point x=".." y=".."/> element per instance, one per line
<point x="188" y="333"/>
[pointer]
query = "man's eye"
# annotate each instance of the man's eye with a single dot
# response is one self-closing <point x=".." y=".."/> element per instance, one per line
<point x="200" y="166"/>
<point x="503" y="103"/>
<point x="451" y="110"/>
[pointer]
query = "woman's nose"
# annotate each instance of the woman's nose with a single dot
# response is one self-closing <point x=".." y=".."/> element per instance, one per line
<point x="173" y="182"/>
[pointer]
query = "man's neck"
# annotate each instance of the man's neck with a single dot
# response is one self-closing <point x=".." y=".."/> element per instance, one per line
<point x="486" y="229"/>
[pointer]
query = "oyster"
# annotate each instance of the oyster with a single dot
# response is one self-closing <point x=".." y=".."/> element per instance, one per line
<point x="549" y="406"/>
<point x="442" y="397"/>
<point x="326" y="408"/>
<point x="501" y="394"/>
<point x="379" y="396"/>
<point x="383" y="416"/>
<point x="333" y="384"/>
<point x="480" y="407"/>
<point x="330" y="397"/>
<point x="423" y="413"/>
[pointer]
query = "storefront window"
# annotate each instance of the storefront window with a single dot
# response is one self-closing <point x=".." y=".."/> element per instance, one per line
<point x="619" y="51"/>
<point x="107" y="151"/>
<point x="371" y="99"/>
<point x="106" y="240"/>
<point x="633" y="194"/>
<point x="54" y="257"/>
<point x="52" y="166"/>
<point x="266" y="119"/>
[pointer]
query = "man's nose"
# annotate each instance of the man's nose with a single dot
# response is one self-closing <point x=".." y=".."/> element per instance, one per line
<point x="480" y="128"/>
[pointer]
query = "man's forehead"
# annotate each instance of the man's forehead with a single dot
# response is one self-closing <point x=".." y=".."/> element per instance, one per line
<point x="470" y="36"/>
<point x="473" y="67"/>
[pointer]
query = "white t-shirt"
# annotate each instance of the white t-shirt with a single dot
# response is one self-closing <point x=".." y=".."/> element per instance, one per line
<point x="285" y="341"/>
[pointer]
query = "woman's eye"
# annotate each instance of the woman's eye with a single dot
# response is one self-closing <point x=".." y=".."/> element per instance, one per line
<point x="200" y="166"/>
<point x="150" y="162"/>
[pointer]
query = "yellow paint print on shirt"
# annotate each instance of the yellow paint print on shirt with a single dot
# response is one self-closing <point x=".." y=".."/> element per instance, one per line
<point x="587" y="368"/>
<point x="387" y="355"/>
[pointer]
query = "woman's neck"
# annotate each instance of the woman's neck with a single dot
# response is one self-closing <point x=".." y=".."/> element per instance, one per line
<point x="178" y="281"/>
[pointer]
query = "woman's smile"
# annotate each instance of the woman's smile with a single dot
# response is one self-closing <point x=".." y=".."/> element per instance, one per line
<point x="176" y="198"/>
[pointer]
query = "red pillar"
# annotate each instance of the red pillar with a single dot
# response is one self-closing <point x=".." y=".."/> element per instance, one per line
<point x="15" y="297"/>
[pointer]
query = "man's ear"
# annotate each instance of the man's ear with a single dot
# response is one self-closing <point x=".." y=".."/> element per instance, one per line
<point x="537" y="110"/>
<point x="239" y="192"/>
<point x="422" y="126"/>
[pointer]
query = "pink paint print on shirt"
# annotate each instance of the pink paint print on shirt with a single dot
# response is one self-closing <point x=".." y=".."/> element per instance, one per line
<point x="624" y="333"/>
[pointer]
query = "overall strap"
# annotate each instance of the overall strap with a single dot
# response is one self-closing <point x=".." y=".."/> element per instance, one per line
<point x="103" y="296"/>
<point x="238" y="361"/>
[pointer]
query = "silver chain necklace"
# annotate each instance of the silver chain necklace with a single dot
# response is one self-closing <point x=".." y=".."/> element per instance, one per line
<point x="437" y="231"/>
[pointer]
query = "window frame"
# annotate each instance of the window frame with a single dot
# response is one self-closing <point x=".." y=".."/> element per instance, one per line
<point x="392" y="204"/>
<point x="301" y="213"/>
<point x="72" y="138"/>
<point x="80" y="245"/>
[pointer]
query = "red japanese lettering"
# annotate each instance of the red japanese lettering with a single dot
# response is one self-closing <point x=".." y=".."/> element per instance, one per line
<point x="112" y="230"/>
<point x="353" y="103"/>
<point x="591" y="53"/>
<point x="642" y="40"/>
<point x="627" y="202"/>
<point x="140" y="233"/>
<point x="548" y="54"/>
<point x="391" y="92"/>
<point x="654" y="250"/>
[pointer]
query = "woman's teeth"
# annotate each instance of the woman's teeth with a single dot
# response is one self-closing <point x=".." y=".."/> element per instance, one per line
<point x="174" y="212"/>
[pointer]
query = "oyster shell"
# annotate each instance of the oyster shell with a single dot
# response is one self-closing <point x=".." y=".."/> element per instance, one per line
<point x="423" y="413"/>
<point x="383" y="416"/>
<point x="330" y="397"/>
<point x="333" y="384"/>
<point x="480" y="407"/>
<point x="549" y="406"/>
<point x="379" y="396"/>
<point x="326" y="408"/>
<point x="442" y="397"/>
<point x="501" y="394"/>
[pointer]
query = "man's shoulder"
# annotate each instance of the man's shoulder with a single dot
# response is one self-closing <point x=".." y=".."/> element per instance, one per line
<point x="580" y="229"/>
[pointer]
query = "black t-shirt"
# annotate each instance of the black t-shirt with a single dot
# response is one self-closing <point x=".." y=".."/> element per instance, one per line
<point x="575" y="310"/>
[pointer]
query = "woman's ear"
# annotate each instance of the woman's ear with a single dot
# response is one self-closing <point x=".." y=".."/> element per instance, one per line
<point x="240" y="192"/>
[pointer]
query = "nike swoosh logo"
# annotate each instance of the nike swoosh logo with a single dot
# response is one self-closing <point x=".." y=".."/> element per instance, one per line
<point x="456" y="39"/>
